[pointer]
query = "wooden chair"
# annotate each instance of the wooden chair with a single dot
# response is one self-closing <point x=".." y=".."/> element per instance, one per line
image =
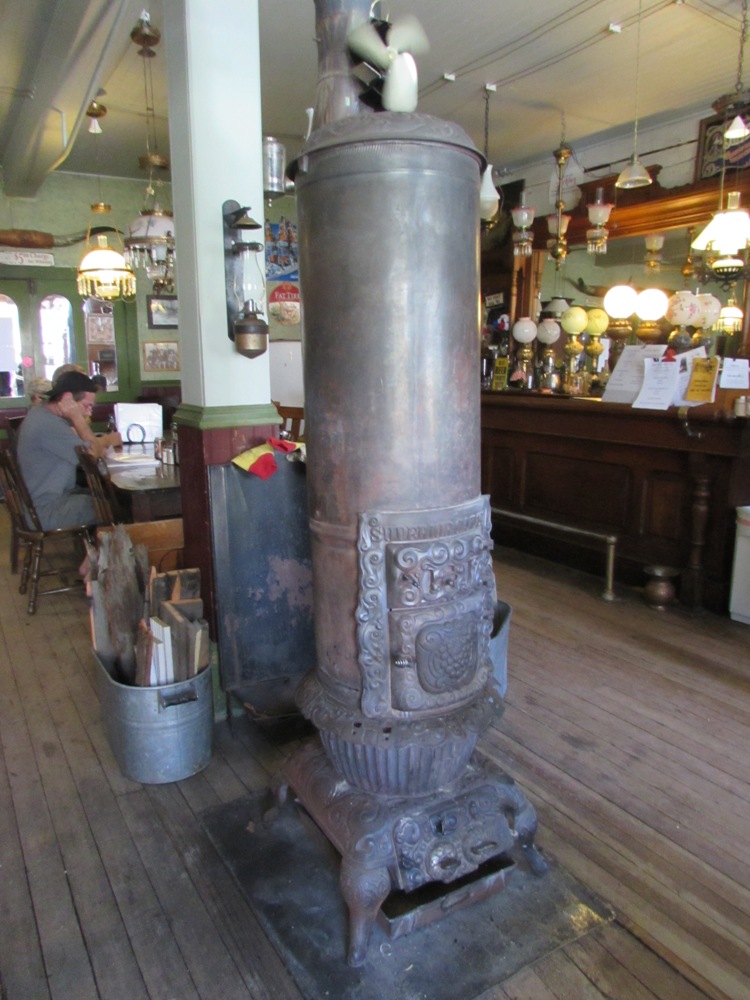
<point x="100" y="486"/>
<point x="32" y="537"/>
<point x="292" y="421"/>
<point x="12" y="427"/>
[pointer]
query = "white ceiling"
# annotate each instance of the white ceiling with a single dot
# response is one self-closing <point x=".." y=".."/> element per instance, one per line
<point x="548" y="59"/>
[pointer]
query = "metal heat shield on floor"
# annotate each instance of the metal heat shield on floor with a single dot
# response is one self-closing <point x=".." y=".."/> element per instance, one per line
<point x="263" y="581"/>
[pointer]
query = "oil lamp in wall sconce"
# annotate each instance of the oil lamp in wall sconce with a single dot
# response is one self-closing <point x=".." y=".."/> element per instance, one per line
<point x="573" y="321"/>
<point x="650" y="307"/>
<point x="619" y="305"/>
<point x="548" y="333"/>
<point x="524" y="334"/>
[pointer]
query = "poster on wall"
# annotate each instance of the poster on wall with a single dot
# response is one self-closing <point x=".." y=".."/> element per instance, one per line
<point x="282" y="274"/>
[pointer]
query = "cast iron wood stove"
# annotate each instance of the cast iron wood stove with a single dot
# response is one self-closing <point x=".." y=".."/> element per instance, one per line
<point x="404" y="590"/>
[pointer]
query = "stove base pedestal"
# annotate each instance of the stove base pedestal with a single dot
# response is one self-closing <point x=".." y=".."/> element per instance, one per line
<point x="391" y="843"/>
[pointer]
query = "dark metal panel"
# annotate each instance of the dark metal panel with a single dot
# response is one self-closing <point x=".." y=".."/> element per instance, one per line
<point x="263" y="572"/>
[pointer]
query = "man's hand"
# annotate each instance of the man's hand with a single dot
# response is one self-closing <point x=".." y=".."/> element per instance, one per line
<point x="67" y="407"/>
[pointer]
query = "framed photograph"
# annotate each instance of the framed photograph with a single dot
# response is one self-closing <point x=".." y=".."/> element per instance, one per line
<point x="162" y="312"/>
<point x="161" y="356"/>
<point x="712" y="153"/>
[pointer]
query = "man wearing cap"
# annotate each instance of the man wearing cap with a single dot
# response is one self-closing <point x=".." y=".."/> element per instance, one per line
<point x="47" y="442"/>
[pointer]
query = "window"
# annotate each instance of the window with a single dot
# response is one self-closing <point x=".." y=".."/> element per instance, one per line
<point x="56" y="329"/>
<point x="11" y="366"/>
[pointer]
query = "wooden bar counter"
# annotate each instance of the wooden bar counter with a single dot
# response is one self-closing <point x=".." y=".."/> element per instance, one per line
<point x="665" y="483"/>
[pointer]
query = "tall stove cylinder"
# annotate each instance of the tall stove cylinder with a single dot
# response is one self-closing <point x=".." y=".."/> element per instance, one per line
<point x="389" y="266"/>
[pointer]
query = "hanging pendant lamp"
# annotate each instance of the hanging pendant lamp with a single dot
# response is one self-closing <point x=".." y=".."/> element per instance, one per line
<point x="635" y="174"/>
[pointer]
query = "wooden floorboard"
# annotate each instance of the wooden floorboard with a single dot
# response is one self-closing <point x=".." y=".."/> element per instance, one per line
<point x="626" y="728"/>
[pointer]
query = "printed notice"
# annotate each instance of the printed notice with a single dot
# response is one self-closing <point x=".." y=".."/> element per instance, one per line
<point x="660" y="381"/>
<point x="735" y="374"/>
<point x="625" y="381"/>
<point x="702" y="385"/>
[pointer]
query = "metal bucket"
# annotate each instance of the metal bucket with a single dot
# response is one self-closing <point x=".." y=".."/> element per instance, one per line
<point x="158" y="734"/>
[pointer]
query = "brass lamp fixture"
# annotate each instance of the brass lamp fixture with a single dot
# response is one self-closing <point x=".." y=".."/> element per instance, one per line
<point x="654" y="246"/>
<point x="650" y="307"/>
<point x="573" y="321"/>
<point x="150" y="243"/>
<point x="619" y="304"/>
<point x="599" y="212"/>
<point x="523" y="219"/>
<point x="558" y="223"/>
<point x="596" y="327"/>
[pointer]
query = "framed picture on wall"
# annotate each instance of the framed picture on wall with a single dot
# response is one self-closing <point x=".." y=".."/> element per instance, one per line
<point x="161" y="356"/>
<point x="162" y="312"/>
<point x="712" y="153"/>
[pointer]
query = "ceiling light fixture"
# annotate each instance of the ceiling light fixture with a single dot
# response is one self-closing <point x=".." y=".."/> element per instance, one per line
<point x="523" y="236"/>
<point x="150" y="243"/>
<point x="103" y="272"/>
<point x="635" y="174"/>
<point x="95" y="111"/>
<point x="558" y="223"/>
<point x="489" y="199"/>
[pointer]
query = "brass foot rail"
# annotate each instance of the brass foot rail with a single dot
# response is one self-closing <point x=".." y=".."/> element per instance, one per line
<point x="542" y="525"/>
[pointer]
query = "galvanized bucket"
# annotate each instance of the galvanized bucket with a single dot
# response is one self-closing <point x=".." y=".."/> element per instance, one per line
<point x="158" y="734"/>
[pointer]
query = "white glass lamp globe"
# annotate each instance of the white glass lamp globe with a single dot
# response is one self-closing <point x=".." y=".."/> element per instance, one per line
<point x="557" y="306"/>
<point x="683" y="309"/>
<point x="574" y="320"/>
<point x="598" y="322"/>
<point x="710" y="309"/>
<point x="651" y="304"/>
<point x="619" y="302"/>
<point x="524" y="330"/>
<point x="548" y="331"/>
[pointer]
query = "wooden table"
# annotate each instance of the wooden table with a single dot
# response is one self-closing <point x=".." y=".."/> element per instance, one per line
<point x="147" y="492"/>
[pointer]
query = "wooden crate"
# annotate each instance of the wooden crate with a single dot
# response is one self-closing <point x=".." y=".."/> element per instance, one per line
<point x="163" y="539"/>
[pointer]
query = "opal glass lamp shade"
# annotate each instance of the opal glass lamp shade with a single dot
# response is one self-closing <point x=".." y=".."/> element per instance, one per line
<point x="619" y="302"/>
<point x="574" y="320"/>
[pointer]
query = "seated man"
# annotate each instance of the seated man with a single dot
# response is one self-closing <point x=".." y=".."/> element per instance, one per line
<point x="47" y="444"/>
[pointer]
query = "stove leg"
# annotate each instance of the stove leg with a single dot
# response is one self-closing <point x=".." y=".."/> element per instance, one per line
<point x="280" y="794"/>
<point x="364" y="890"/>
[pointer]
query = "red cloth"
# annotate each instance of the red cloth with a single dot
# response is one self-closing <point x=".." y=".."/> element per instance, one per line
<point x="264" y="467"/>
